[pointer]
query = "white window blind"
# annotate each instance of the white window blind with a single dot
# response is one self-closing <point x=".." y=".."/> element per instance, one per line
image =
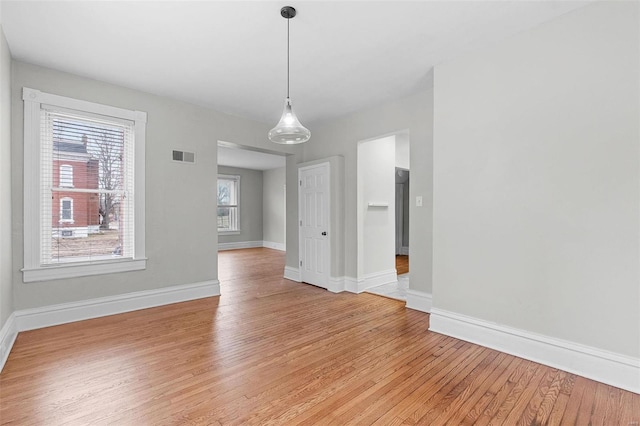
<point x="87" y="187"/>
<point x="228" y="200"/>
<point x="66" y="176"/>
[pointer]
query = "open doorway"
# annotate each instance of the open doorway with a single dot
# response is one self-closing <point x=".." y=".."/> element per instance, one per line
<point x="383" y="214"/>
<point x="402" y="178"/>
<point x="251" y="199"/>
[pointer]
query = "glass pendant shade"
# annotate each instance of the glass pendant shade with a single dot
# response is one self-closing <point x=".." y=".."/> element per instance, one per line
<point x="289" y="131"/>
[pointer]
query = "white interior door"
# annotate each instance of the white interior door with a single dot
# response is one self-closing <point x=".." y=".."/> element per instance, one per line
<point x="314" y="224"/>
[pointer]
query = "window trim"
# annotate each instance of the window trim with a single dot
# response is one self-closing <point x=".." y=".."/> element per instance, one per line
<point x="66" y="167"/>
<point x="237" y="230"/>
<point x="33" y="270"/>
<point x="62" y="219"/>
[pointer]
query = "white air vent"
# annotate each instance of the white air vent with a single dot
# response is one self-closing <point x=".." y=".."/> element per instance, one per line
<point x="184" y="156"/>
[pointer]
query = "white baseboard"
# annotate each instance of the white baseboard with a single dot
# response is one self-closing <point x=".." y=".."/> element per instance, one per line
<point x="336" y="284"/>
<point x="272" y="245"/>
<point x="419" y="300"/>
<point x="8" y="334"/>
<point x="613" y="369"/>
<point x="378" y="278"/>
<point x="46" y="316"/>
<point x="292" y="274"/>
<point x="359" y="285"/>
<point x="352" y="284"/>
<point x="239" y="245"/>
<point x="251" y="244"/>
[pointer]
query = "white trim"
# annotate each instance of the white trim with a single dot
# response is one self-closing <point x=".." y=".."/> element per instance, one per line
<point x="61" y="214"/>
<point x="250" y="244"/>
<point x="292" y="274"/>
<point x="8" y="334"/>
<point x="239" y="245"/>
<point x="37" y="96"/>
<point x="46" y="316"/>
<point x="377" y="278"/>
<point x="359" y="285"/>
<point x="351" y="284"/>
<point x="419" y="300"/>
<point x="404" y="251"/>
<point x="34" y="101"/>
<point x="72" y="270"/>
<point x="336" y="284"/>
<point x="68" y="177"/>
<point x="32" y="225"/>
<point x="607" y="367"/>
<point x="275" y="246"/>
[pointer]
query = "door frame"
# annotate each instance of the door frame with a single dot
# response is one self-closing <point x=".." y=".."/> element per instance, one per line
<point x="327" y="274"/>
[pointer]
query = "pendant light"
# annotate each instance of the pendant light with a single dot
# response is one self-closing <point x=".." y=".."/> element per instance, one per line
<point x="289" y="130"/>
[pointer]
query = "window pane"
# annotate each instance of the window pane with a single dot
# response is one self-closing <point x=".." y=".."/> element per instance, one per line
<point x="66" y="210"/>
<point x="90" y="188"/>
<point x="228" y="188"/>
<point x="90" y="236"/>
<point x="227" y="218"/>
<point x="224" y="192"/>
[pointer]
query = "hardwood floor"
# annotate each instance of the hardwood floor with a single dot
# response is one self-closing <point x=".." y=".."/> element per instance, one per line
<point x="272" y="351"/>
<point x="402" y="264"/>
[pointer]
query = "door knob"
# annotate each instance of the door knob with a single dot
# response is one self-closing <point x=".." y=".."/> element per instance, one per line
<point x="324" y="233"/>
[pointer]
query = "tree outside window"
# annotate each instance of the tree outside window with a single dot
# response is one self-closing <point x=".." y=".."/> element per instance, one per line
<point x="228" y="196"/>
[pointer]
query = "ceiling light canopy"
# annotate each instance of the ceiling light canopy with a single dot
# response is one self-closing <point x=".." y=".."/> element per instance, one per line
<point x="289" y="130"/>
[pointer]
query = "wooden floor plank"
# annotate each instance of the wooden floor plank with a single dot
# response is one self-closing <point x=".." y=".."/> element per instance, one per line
<point x="459" y="408"/>
<point x="526" y="407"/>
<point x="273" y="351"/>
<point x="585" y="412"/>
<point x="550" y="399"/>
<point x="402" y="264"/>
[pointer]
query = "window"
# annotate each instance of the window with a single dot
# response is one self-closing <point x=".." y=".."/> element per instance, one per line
<point x="66" y="210"/>
<point x="228" y="196"/>
<point x="66" y="176"/>
<point x="89" y="219"/>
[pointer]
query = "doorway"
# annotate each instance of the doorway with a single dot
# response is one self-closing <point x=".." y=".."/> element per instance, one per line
<point x="402" y="178"/>
<point x="251" y="193"/>
<point x="313" y="198"/>
<point x="383" y="209"/>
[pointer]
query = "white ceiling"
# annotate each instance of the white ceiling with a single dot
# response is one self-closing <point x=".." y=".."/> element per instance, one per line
<point x="247" y="159"/>
<point x="231" y="55"/>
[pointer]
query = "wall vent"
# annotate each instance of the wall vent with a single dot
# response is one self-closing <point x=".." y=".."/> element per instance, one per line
<point x="184" y="156"/>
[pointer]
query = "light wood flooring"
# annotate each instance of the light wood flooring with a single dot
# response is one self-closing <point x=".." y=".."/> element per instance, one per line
<point x="402" y="264"/>
<point x="272" y="351"/>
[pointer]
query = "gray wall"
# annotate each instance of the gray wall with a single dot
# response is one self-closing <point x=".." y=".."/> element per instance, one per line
<point x="181" y="238"/>
<point x="273" y="209"/>
<point x="406" y="208"/>
<point x="250" y="205"/>
<point x="6" y="283"/>
<point x="376" y="225"/>
<point x="340" y="137"/>
<point x="536" y="198"/>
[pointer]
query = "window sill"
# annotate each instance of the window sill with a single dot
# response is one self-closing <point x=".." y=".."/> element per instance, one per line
<point x="229" y="232"/>
<point x="47" y="273"/>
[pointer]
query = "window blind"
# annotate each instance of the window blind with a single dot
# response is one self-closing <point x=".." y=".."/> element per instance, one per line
<point x="228" y="194"/>
<point x="87" y="187"/>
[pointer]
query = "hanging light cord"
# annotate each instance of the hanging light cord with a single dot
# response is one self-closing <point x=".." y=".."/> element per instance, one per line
<point x="288" y="19"/>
